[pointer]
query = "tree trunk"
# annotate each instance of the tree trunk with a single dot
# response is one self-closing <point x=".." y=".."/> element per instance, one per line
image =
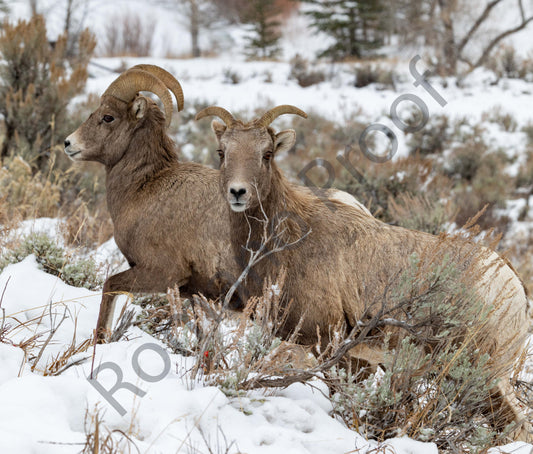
<point x="353" y="50"/>
<point x="194" y="28"/>
<point x="449" y="63"/>
<point x="33" y="7"/>
<point x="66" y="29"/>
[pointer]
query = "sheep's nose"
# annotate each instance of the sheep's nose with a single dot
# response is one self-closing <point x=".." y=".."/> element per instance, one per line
<point x="67" y="143"/>
<point x="237" y="192"/>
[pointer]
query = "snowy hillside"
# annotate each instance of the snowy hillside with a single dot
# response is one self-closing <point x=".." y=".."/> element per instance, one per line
<point x="163" y="409"/>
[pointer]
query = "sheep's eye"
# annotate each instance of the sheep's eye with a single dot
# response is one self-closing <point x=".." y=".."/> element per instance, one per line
<point x="108" y="118"/>
<point x="267" y="156"/>
<point x="220" y="154"/>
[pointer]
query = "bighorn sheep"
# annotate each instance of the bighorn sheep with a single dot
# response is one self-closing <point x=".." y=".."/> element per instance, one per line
<point x="345" y="256"/>
<point x="170" y="221"/>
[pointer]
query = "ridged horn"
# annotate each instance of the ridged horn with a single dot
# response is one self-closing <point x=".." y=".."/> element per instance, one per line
<point x="274" y="113"/>
<point x="129" y="83"/>
<point x="168" y="79"/>
<point x="216" y="111"/>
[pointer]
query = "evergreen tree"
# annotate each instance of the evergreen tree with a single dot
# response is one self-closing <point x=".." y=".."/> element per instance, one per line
<point x="356" y="26"/>
<point x="263" y="41"/>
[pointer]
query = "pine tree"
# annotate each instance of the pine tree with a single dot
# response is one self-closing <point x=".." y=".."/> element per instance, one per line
<point x="264" y="39"/>
<point x="356" y="26"/>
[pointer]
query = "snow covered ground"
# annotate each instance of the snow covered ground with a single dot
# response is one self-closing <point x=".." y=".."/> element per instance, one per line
<point x="157" y="404"/>
<point x="46" y="414"/>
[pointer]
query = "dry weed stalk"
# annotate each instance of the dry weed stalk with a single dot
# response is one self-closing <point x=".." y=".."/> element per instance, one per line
<point x="219" y="448"/>
<point x="125" y="321"/>
<point x="63" y="361"/>
<point x="99" y="439"/>
<point x="54" y="325"/>
<point x="41" y="337"/>
<point x="4" y="328"/>
<point x="420" y="212"/>
<point x="85" y="226"/>
<point x="231" y="347"/>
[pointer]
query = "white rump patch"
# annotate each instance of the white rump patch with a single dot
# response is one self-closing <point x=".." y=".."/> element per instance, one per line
<point x="347" y="199"/>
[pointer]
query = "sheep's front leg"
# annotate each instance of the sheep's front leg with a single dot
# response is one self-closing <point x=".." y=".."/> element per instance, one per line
<point x="105" y="316"/>
<point x="134" y="280"/>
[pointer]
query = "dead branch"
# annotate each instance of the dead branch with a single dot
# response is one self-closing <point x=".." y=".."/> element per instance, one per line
<point x="524" y="21"/>
<point x="476" y="25"/>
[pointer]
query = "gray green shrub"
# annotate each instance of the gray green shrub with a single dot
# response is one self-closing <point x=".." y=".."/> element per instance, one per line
<point x="78" y="272"/>
<point x="435" y="382"/>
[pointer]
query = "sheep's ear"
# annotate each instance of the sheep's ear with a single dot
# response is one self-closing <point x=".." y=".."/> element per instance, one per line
<point x="284" y="140"/>
<point x="218" y="128"/>
<point x="139" y="106"/>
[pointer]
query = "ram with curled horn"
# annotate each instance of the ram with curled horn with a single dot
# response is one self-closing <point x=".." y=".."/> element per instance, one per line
<point x="341" y="264"/>
<point x="169" y="221"/>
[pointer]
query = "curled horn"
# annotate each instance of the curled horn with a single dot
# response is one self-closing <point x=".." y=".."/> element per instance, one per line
<point x="220" y="112"/>
<point x="274" y="113"/>
<point x="168" y="79"/>
<point x="129" y="83"/>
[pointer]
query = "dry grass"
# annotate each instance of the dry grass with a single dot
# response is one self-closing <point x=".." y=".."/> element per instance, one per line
<point x="34" y="337"/>
<point x="420" y="213"/>
<point x="75" y="195"/>
<point x="25" y="194"/>
<point x="86" y="227"/>
<point x="102" y="440"/>
<point x="230" y="348"/>
<point x="63" y="361"/>
<point x="521" y="251"/>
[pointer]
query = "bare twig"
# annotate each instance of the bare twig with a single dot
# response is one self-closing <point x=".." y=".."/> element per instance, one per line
<point x="124" y="323"/>
<point x="53" y="328"/>
<point x="73" y="363"/>
<point x="4" y="291"/>
<point x="273" y="238"/>
<point x="2" y="327"/>
<point x="524" y="21"/>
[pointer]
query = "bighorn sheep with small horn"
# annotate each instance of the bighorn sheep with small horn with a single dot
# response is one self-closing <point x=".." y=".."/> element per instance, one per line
<point x="345" y="257"/>
<point x="170" y="221"/>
